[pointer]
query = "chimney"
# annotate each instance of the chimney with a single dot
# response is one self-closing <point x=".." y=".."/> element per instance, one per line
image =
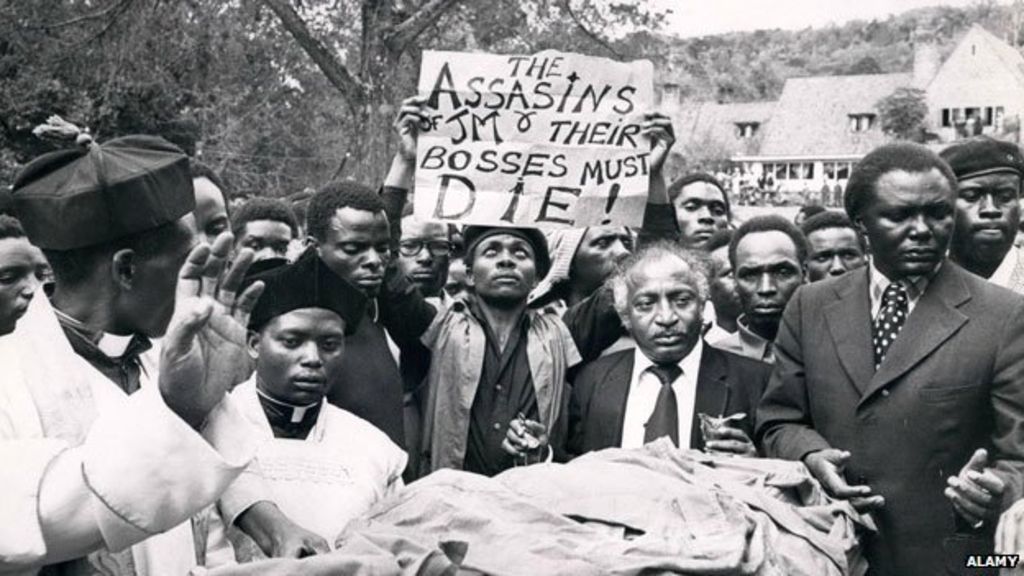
<point x="926" y="58"/>
<point x="670" y="96"/>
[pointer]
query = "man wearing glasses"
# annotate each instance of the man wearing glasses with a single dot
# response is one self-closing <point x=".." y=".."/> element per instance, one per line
<point x="424" y="254"/>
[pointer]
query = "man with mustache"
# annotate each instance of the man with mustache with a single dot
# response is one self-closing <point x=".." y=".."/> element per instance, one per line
<point x="834" y="245"/>
<point x="767" y="255"/>
<point x="632" y="397"/>
<point x="898" y="384"/>
<point x="988" y="174"/>
<point x="323" y="465"/>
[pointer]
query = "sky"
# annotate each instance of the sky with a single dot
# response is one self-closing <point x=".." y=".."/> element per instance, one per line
<point x="704" y="17"/>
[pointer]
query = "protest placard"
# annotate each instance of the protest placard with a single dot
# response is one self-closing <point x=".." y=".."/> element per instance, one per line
<point x="549" y="140"/>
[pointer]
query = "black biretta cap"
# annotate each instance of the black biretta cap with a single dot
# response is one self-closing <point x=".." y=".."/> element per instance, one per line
<point x="97" y="193"/>
<point x="305" y="283"/>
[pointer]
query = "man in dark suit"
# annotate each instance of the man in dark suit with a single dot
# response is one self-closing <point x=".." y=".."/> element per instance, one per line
<point x="899" y="384"/>
<point x="632" y="397"/>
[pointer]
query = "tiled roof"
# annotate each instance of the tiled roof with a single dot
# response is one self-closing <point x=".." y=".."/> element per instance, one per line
<point x="701" y="122"/>
<point x="812" y="115"/>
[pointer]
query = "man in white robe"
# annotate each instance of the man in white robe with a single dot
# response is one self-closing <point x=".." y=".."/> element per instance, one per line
<point x="324" y="466"/>
<point x="110" y="443"/>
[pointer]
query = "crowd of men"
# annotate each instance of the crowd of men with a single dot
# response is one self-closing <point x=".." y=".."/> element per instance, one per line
<point x="187" y="383"/>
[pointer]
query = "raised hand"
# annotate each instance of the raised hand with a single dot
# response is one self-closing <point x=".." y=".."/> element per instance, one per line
<point x="411" y="120"/>
<point x="658" y="127"/>
<point x="203" y="354"/>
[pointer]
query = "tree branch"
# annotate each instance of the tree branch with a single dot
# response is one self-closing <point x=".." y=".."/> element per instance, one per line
<point x="113" y="8"/>
<point x="404" y="33"/>
<point x="590" y="34"/>
<point x="337" y="74"/>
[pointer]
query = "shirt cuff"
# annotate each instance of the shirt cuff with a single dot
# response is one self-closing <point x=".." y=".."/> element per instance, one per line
<point x="21" y="475"/>
<point x="149" y="471"/>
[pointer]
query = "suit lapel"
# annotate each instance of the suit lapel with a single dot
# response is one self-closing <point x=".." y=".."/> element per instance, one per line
<point x="849" y="323"/>
<point x="712" y="392"/>
<point x="934" y="319"/>
<point x="609" y="403"/>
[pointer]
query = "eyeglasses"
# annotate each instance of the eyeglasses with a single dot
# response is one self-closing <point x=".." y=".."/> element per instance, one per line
<point x="435" y="247"/>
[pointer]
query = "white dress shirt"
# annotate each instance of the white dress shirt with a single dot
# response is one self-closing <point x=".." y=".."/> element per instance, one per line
<point x="643" y="395"/>
<point x="1003" y="274"/>
<point x="878" y="282"/>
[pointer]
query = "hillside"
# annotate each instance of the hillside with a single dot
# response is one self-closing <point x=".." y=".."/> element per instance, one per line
<point x="746" y="66"/>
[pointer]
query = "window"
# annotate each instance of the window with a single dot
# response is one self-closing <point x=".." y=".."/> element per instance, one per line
<point x="983" y="115"/>
<point x="861" y="122"/>
<point x="802" y="170"/>
<point x="835" y="170"/>
<point x="747" y="129"/>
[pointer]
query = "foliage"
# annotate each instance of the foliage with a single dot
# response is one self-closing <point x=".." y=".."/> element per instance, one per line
<point x="228" y="81"/>
<point x="903" y="113"/>
<point x="748" y="66"/>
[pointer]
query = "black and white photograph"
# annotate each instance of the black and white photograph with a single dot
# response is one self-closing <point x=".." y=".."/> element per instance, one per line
<point x="511" y="287"/>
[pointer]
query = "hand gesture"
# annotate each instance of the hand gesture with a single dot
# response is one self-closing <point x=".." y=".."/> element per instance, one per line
<point x="658" y="128"/>
<point x="526" y="440"/>
<point x="730" y="440"/>
<point x="827" y="468"/>
<point x="203" y="354"/>
<point x="411" y="119"/>
<point x="976" y="493"/>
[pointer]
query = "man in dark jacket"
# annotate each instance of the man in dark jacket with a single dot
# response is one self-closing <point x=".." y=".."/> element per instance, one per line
<point x="898" y="384"/>
<point x="671" y="384"/>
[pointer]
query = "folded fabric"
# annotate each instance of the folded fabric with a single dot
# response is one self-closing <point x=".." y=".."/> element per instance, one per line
<point x="655" y="509"/>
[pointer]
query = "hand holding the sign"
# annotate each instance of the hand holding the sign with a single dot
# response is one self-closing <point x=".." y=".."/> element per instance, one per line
<point x="411" y="119"/>
<point x="658" y="128"/>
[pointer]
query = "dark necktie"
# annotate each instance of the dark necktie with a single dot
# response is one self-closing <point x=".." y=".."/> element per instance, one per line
<point x="891" y="317"/>
<point x="664" y="420"/>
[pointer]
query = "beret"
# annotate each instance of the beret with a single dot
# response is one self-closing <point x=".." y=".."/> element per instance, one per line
<point x="473" y="235"/>
<point x="983" y="155"/>
<point x="97" y="193"/>
<point x="305" y="283"/>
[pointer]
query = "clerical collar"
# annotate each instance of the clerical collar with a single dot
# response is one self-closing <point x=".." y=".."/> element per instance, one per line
<point x="111" y="345"/>
<point x="288" y="420"/>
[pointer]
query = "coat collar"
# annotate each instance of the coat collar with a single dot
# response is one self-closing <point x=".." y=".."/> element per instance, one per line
<point x="611" y="395"/>
<point x="935" y="318"/>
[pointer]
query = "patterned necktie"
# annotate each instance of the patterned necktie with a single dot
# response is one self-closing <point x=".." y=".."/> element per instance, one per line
<point x="664" y="420"/>
<point x="891" y="317"/>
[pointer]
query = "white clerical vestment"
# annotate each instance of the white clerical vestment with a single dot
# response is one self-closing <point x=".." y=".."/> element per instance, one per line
<point x="343" y="467"/>
<point x="95" y="470"/>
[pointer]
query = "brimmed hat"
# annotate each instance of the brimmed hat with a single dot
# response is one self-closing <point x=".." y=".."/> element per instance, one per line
<point x="473" y="235"/>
